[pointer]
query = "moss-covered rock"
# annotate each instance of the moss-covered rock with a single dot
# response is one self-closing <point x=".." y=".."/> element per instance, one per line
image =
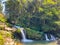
<point x="17" y="34"/>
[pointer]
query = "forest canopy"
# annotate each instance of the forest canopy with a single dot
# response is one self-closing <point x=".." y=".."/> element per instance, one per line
<point x="38" y="15"/>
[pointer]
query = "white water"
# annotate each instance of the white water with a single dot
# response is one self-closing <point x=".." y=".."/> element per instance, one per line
<point x="24" y="39"/>
<point x="23" y="35"/>
<point x="52" y="37"/>
<point x="3" y="5"/>
<point x="46" y="37"/>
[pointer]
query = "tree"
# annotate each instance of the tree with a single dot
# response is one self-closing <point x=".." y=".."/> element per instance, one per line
<point x="12" y="10"/>
<point x="39" y="15"/>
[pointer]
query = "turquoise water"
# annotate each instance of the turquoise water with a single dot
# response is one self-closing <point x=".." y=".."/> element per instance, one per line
<point x="41" y="43"/>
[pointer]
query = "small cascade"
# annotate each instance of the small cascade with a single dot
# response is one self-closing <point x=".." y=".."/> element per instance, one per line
<point x="23" y="35"/>
<point x="46" y="37"/>
<point x="3" y="5"/>
<point x="52" y="37"/>
<point x="24" y="39"/>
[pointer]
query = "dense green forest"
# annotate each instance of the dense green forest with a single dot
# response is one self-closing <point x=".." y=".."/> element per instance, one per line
<point x="36" y="16"/>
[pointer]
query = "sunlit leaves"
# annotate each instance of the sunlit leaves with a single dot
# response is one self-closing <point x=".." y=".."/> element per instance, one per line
<point x="40" y="9"/>
<point x="57" y="22"/>
<point x="2" y="18"/>
<point x="49" y="13"/>
<point x="23" y="1"/>
<point x="46" y="2"/>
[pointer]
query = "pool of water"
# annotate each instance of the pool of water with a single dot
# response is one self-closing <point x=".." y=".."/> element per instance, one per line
<point x="40" y="43"/>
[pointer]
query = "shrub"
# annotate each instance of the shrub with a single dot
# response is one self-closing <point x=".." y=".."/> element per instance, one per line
<point x="33" y="34"/>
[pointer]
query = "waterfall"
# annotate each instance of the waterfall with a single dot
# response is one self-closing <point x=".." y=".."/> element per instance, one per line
<point x="52" y="37"/>
<point x="24" y="39"/>
<point x="3" y="5"/>
<point x="23" y="35"/>
<point x="46" y="37"/>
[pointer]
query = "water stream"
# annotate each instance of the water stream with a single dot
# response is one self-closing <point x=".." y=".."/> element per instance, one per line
<point x="47" y="39"/>
<point x="51" y="39"/>
<point x="3" y="5"/>
<point x="24" y="39"/>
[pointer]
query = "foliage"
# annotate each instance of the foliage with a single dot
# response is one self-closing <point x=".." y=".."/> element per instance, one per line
<point x="47" y="2"/>
<point x="2" y="18"/>
<point x="8" y="24"/>
<point x="32" y="34"/>
<point x="7" y="34"/>
<point x="43" y="15"/>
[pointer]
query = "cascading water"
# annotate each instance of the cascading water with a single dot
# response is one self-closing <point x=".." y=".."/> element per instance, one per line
<point x="52" y="37"/>
<point x="23" y="35"/>
<point x="3" y="5"/>
<point x="46" y="37"/>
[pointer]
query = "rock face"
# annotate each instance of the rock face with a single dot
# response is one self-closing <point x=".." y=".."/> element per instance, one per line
<point x="6" y="35"/>
<point x="9" y="41"/>
<point x="7" y="38"/>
